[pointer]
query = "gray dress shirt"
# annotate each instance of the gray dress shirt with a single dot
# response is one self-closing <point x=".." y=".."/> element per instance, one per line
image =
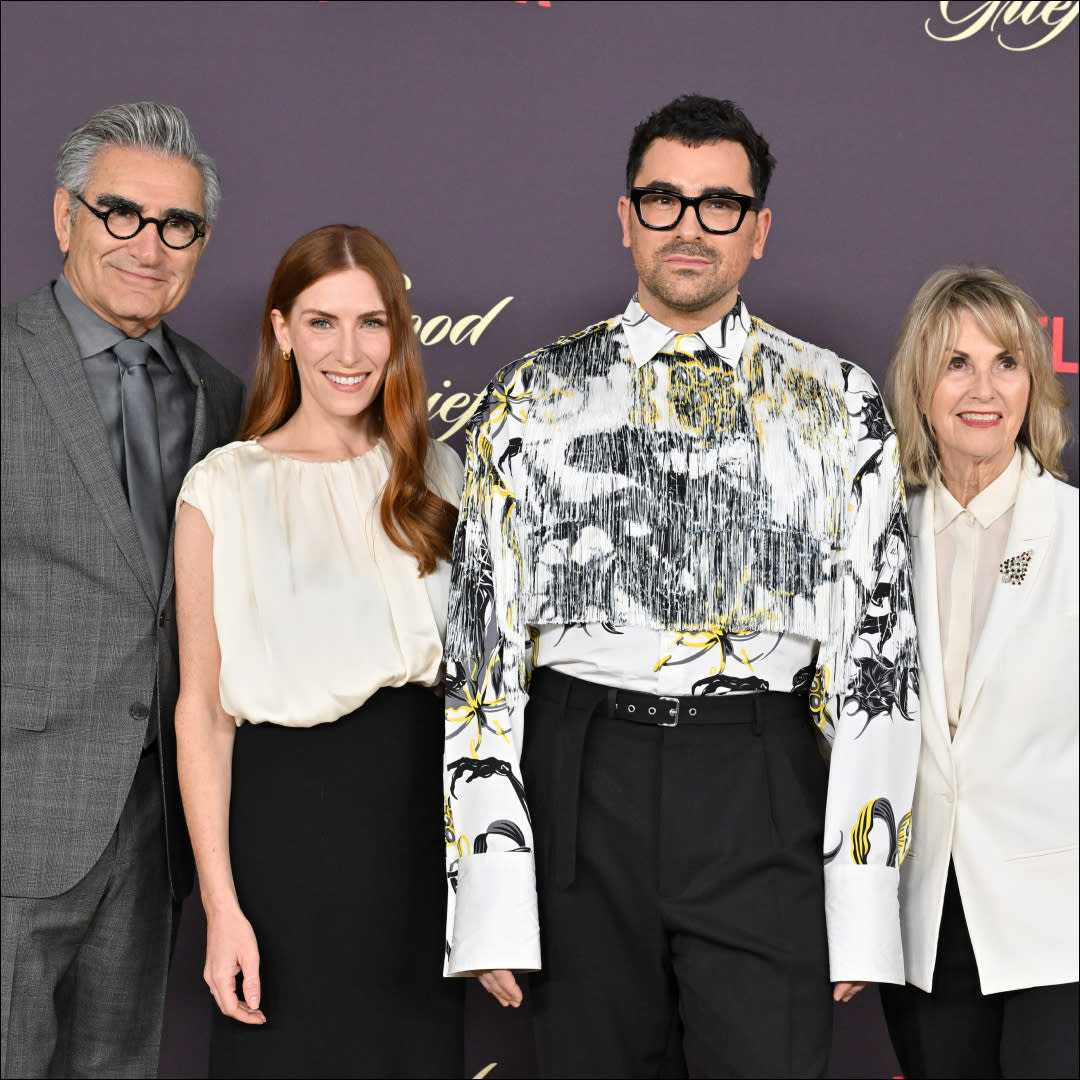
<point x="174" y="393"/>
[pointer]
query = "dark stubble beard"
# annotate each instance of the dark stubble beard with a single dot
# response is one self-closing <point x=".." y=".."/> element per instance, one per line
<point x="657" y="278"/>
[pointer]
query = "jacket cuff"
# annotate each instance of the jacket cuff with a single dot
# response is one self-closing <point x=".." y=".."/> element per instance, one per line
<point x="862" y="916"/>
<point x="495" y="917"/>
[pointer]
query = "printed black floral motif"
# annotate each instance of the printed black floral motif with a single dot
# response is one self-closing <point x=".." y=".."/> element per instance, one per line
<point x="720" y="684"/>
<point x="474" y="769"/>
<point x="879" y="688"/>
<point x="871" y="414"/>
<point x="709" y="503"/>
<point x="502" y="828"/>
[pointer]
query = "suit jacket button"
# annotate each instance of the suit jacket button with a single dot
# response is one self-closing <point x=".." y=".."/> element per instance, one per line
<point x="139" y="711"/>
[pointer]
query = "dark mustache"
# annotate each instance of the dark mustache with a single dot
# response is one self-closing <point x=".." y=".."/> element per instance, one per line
<point x="695" y="251"/>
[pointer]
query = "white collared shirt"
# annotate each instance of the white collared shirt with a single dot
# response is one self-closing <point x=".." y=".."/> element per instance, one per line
<point x="969" y="545"/>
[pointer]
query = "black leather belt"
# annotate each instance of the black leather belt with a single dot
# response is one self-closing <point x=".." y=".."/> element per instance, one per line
<point x="571" y="704"/>
<point x="664" y="711"/>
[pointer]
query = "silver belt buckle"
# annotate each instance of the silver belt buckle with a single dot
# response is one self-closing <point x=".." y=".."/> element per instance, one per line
<point x="673" y="713"/>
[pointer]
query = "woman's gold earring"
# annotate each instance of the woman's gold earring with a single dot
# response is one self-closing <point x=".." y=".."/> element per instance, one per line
<point x="286" y="356"/>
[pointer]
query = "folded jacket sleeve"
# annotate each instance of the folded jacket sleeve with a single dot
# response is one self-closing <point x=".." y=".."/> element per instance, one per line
<point x="872" y="713"/>
<point x="492" y="910"/>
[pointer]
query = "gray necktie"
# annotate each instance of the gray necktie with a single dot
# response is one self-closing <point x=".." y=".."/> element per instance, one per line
<point x="142" y="453"/>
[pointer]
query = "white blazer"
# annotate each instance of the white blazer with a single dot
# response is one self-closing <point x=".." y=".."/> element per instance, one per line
<point x="1002" y="798"/>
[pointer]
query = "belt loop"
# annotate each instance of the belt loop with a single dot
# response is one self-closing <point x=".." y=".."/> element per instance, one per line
<point x="612" y="701"/>
<point x="755" y="705"/>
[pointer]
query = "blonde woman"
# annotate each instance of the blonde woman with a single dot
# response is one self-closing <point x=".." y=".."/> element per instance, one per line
<point x="988" y="889"/>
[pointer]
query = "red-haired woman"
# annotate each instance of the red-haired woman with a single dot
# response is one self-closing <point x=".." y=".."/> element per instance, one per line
<point x="312" y="578"/>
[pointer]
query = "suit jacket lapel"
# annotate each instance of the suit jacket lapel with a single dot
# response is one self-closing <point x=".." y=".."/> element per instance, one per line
<point x="1032" y="524"/>
<point x="52" y="359"/>
<point x="935" y="718"/>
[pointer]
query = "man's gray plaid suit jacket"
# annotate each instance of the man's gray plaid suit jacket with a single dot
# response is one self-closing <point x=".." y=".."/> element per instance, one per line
<point x="84" y="635"/>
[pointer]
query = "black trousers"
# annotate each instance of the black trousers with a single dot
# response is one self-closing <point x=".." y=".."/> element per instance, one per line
<point x="681" y="888"/>
<point x="339" y="863"/>
<point x="958" y="1031"/>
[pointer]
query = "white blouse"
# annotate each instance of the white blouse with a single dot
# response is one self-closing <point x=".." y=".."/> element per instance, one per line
<point x="315" y="608"/>
<point x="969" y="545"/>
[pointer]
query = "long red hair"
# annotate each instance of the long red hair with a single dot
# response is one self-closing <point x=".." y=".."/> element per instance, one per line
<point x="413" y="516"/>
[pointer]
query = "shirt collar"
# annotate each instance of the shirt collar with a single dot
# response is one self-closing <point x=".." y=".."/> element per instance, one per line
<point x="647" y="336"/>
<point x="993" y="501"/>
<point x="94" y="335"/>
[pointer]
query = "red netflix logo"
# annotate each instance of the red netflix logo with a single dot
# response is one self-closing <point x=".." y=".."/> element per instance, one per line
<point x="1057" y="342"/>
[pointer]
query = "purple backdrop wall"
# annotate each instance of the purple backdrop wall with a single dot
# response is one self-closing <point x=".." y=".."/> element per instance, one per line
<point x="486" y="142"/>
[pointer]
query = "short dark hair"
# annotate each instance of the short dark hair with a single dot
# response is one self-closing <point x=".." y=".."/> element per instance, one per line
<point x="695" y="120"/>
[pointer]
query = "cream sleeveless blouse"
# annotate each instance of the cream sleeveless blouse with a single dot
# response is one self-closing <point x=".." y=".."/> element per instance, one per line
<point x="315" y="608"/>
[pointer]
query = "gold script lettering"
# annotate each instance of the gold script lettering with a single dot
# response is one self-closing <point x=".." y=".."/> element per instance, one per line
<point x="434" y="330"/>
<point x="468" y="328"/>
<point x="455" y="409"/>
<point x="1057" y="14"/>
<point x="472" y="326"/>
<point x="975" y="19"/>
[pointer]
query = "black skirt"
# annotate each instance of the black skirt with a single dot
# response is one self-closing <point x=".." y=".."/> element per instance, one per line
<point x="337" y="853"/>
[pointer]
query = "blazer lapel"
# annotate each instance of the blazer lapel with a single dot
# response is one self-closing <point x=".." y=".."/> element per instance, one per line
<point x="1032" y="524"/>
<point x="934" y="714"/>
<point x="52" y="359"/>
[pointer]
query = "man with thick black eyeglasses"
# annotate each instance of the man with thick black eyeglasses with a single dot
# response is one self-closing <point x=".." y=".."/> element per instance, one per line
<point x="179" y="230"/>
<point x="104" y="410"/>
<point x="681" y="566"/>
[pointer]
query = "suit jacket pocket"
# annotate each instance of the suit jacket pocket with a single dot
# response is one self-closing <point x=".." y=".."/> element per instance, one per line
<point x="25" y="707"/>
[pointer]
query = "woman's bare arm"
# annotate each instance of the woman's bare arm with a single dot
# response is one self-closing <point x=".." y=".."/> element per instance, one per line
<point x="204" y="745"/>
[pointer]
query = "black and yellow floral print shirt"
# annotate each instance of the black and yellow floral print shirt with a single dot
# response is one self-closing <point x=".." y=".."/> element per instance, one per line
<point x="709" y="513"/>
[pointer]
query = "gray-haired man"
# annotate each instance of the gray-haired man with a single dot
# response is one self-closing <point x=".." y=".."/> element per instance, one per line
<point x="104" y="410"/>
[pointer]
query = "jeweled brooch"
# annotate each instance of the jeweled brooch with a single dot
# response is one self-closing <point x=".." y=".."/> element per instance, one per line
<point x="1014" y="569"/>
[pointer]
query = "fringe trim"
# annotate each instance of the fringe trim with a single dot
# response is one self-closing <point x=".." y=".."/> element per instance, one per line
<point x="719" y="498"/>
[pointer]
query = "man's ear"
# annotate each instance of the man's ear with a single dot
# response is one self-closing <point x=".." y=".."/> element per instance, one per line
<point x="624" y="218"/>
<point x="62" y="218"/>
<point x="761" y="231"/>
